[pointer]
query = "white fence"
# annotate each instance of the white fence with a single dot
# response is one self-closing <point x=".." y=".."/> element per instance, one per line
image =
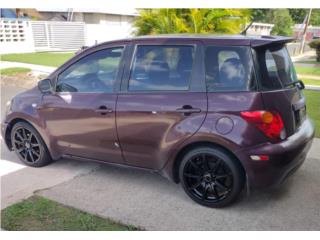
<point x="57" y="36"/>
<point x="18" y="36"/>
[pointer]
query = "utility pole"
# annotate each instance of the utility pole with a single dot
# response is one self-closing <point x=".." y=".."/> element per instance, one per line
<point x="303" y="40"/>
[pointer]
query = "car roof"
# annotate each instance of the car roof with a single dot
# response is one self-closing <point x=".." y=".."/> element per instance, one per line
<point x="254" y="41"/>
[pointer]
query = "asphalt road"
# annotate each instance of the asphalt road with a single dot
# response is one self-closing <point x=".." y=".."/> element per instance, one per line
<point x="151" y="202"/>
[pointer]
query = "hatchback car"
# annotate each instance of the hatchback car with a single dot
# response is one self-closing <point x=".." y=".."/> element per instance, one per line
<point x="216" y="113"/>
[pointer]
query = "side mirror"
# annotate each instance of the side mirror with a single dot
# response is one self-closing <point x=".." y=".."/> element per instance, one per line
<point x="301" y="85"/>
<point x="45" y="86"/>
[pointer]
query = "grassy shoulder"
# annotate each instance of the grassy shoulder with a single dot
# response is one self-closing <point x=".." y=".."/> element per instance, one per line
<point x="14" y="71"/>
<point x="308" y="70"/>
<point x="309" y="62"/>
<point x="38" y="213"/>
<point x="313" y="108"/>
<point x="40" y="58"/>
<point x="311" y="82"/>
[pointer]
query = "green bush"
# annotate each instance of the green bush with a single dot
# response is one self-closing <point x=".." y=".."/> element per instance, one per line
<point x="316" y="45"/>
<point x="282" y="22"/>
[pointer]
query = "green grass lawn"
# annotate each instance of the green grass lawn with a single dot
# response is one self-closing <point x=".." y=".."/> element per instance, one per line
<point x="14" y="70"/>
<point x="313" y="108"/>
<point x="40" y="58"/>
<point x="308" y="70"/>
<point x="38" y="213"/>
<point x="309" y="62"/>
<point x="311" y="82"/>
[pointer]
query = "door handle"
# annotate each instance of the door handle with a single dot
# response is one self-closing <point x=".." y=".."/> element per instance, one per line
<point x="187" y="110"/>
<point x="103" y="110"/>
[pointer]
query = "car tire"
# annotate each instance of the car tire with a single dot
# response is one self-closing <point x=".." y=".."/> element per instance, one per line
<point x="29" y="145"/>
<point x="211" y="176"/>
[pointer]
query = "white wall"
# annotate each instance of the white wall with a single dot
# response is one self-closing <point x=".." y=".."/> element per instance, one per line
<point x="15" y="36"/>
<point x="109" y="30"/>
<point x="260" y="29"/>
<point x="20" y="36"/>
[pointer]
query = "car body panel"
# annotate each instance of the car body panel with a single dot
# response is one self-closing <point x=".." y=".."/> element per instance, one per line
<point x="149" y="126"/>
<point x="285" y="157"/>
<point x="77" y="129"/>
<point x="150" y="132"/>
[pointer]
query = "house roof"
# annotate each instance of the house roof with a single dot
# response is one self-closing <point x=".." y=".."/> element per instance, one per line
<point x="104" y="10"/>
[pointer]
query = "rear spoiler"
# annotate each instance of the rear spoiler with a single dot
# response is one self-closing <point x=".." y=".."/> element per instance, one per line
<point x="268" y="41"/>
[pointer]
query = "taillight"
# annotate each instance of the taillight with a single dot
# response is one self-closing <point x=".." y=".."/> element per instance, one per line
<point x="270" y="123"/>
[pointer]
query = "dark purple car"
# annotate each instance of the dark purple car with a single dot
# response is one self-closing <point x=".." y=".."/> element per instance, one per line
<point x="214" y="113"/>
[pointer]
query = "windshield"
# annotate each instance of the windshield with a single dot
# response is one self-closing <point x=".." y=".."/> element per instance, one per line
<point x="279" y="69"/>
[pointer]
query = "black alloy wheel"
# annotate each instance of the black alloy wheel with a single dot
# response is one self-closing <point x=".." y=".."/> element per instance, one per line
<point x="28" y="145"/>
<point x="211" y="177"/>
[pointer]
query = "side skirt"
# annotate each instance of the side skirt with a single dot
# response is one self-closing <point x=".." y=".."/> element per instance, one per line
<point x="67" y="156"/>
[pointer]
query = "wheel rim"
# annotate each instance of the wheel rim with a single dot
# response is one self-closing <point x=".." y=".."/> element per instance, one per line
<point x="27" y="145"/>
<point x="208" y="178"/>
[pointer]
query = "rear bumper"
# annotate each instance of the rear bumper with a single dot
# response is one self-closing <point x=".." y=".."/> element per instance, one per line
<point x="284" y="158"/>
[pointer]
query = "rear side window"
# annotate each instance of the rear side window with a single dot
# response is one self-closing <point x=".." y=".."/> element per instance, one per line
<point x="279" y="70"/>
<point x="161" y="68"/>
<point x="229" y="69"/>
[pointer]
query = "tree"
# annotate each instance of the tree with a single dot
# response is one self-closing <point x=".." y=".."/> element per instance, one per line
<point x="259" y="14"/>
<point x="315" y="17"/>
<point x="282" y="22"/>
<point x="158" y="21"/>
<point x="298" y="14"/>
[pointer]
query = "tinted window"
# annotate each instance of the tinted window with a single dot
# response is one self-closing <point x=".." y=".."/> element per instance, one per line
<point x="229" y="69"/>
<point x="279" y="69"/>
<point x="160" y="68"/>
<point x="94" y="73"/>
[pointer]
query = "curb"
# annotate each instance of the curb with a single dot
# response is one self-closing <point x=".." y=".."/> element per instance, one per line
<point x="312" y="87"/>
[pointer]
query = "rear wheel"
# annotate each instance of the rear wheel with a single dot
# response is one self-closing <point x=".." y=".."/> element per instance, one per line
<point x="211" y="177"/>
<point x="29" y="146"/>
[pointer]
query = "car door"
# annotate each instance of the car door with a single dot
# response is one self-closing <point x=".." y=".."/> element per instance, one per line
<point x="80" y="115"/>
<point x="162" y="101"/>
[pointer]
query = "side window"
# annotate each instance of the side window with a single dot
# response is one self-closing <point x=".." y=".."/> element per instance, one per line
<point x="161" y="68"/>
<point x="96" y="72"/>
<point x="229" y="69"/>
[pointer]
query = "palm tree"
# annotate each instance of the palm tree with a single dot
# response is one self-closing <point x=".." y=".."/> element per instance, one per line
<point x="158" y="21"/>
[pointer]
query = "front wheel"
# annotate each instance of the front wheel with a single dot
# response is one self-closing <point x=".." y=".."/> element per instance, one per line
<point x="29" y="146"/>
<point x="211" y="176"/>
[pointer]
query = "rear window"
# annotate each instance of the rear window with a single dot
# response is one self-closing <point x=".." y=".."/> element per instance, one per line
<point x="229" y="69"/>
<point x="277" y="69"/>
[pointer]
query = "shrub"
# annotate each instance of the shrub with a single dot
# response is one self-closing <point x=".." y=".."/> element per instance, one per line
<point x="316" y="45"/>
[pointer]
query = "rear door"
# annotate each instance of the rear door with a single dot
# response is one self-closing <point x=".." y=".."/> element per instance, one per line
<point x="277" y="77"/>
<point x="162" y="101"/>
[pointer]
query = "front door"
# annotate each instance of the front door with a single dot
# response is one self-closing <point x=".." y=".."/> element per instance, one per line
<point x="80" y="115"/>
<point x="158" y="108"/>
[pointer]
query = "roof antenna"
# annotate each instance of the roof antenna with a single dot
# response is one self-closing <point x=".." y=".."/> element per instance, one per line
<point x="244" y="32"/>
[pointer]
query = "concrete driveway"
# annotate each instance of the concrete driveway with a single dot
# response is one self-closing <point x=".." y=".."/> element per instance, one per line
<point x="151" y="202"/>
